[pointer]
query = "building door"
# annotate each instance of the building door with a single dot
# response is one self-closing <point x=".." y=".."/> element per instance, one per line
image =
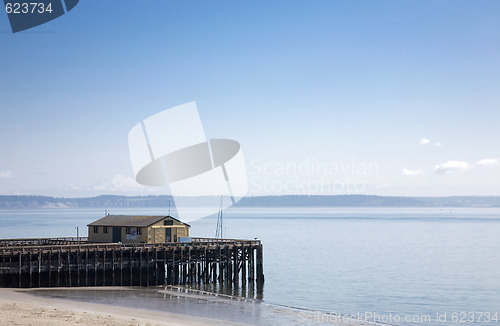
<point x="168" y="234"/>
<point x="117" y="234"/>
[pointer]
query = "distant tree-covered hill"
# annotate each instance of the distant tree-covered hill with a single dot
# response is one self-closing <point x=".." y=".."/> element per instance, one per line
<point x="32" y="202"/>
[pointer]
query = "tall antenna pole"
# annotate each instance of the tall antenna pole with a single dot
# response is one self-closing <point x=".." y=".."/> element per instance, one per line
<point x="218" y="230"/>
<point x="169" y="207"/>
<point x="221" y="229"/>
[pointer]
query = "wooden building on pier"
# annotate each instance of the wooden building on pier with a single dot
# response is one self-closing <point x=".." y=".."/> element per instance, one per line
<point x="137" y="229"/>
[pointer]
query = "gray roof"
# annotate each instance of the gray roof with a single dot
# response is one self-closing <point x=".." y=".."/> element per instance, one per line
<point x="131" y="220"/>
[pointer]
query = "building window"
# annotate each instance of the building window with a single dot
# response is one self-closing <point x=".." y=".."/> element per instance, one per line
<point x="96" y="229"/>
<point x="127" y="230"/>
<point x="139" y="230"/>
<point x="168" y="222"/>
<point x="104" y="229"/>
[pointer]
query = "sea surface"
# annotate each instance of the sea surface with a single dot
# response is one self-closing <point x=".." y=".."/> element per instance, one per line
<point x="401" y="266"/>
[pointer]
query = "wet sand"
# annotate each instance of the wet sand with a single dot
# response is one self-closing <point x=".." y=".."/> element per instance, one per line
<point x="19" y="307"/>
<point x="109" y="306"/>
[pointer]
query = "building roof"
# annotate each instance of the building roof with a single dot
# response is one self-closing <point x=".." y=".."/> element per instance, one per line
<point x="131" y="220"/>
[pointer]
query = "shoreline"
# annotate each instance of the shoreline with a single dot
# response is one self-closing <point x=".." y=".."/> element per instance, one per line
<point x="23" y="308"/>
<point x="125" y="306"/>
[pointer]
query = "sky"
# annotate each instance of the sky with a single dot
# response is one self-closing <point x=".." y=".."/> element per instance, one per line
<point x="325" y="97"/>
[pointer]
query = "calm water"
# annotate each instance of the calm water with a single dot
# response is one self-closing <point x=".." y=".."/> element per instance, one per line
<point x="404" y="262"/>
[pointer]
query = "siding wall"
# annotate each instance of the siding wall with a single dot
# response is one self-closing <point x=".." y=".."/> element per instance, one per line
<point x="149" y="234"/>
<point x="156" y="233"/>
<point x="100" y="236"/>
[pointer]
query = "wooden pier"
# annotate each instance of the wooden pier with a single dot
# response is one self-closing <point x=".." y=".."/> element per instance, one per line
<point x="73" y="262"/>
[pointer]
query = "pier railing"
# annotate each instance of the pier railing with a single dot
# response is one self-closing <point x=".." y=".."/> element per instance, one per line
<point x="42" y="241"/>
<point x="224" y="241"/>
<point x="47" y="243"/>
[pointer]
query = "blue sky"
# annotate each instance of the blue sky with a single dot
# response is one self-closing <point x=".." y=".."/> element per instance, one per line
<point x="393" y="97"/>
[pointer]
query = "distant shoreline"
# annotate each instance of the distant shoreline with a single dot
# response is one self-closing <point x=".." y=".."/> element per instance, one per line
<point x="115" y="201"/>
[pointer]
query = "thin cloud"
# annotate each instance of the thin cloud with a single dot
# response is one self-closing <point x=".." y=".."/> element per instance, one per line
<point x="409" y="172"/>
<point x="7" y="174"/>
<point x="489" y="162"/>
<point x="438" y="144"/>
<point x="120" y="183"/>
<point x="73" y="186"/>
<point x="424" y="141"/>
<point x="452" y="166"/>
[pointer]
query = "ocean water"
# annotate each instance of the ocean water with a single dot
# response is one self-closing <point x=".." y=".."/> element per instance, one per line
<point x="410" y="266"/>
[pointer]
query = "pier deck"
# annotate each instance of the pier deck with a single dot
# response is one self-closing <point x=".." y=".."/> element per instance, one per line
<point x="71" y="262"/>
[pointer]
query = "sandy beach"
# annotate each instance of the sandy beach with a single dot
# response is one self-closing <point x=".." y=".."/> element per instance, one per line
<point x="18" y="307"/>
